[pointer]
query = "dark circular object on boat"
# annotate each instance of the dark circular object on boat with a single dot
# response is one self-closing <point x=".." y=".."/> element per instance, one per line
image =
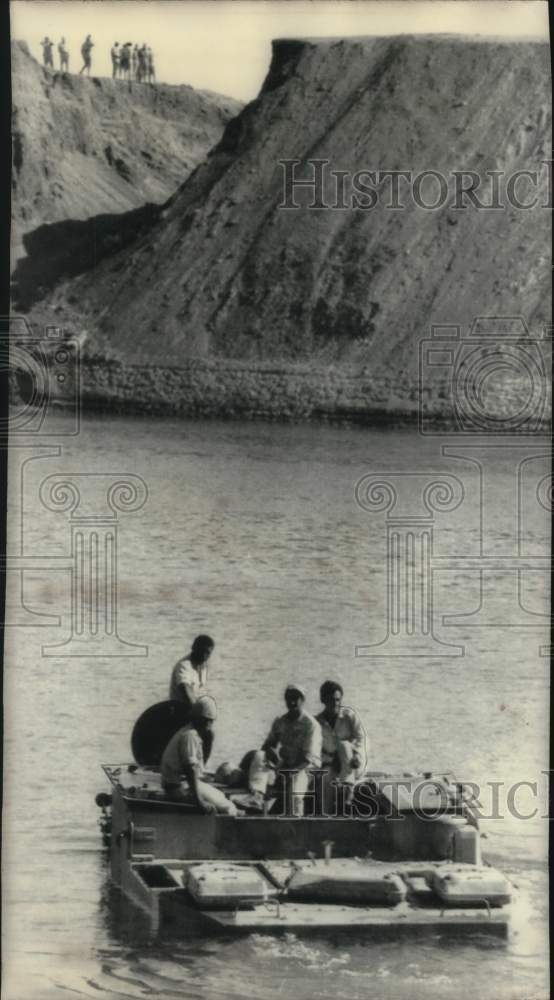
<point x="154" y="728"/>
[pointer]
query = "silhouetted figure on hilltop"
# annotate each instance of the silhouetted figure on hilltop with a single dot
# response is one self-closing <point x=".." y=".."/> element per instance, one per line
<point x="47" y="47"/>
<point x="150" y="66"/>
<point x="141" y="72"/>
<point x="86" y="49"/>
<point x="64" y="57"/>
<point x="115" y="54"/>
<point x="125" y="61"/>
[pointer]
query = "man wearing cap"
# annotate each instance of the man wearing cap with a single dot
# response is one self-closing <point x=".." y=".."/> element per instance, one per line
<point x="293" y="747"/>
<point x="183" y="757"/>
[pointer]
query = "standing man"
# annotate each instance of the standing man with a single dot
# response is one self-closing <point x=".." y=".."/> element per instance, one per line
<point x="114" y="53"/>
<point x="125" y="61"/>
<point x="293" y="745"/>
<point x="47" y="47"/>
<point x="150" y="66"/>
<point x="183" y="758"/>
<point x="344" y="747"/>
<point x="86" y="49"/>
<point x="141" y="56"/>
<point x="64" y="57"/>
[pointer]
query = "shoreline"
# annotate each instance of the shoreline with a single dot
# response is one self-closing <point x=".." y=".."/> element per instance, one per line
<point x="289" y="393"/>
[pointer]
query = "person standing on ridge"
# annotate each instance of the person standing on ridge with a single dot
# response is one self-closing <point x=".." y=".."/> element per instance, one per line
<point x="150" y="66"/>
<point x="47" y="46"/>
<point x="86" y="49"/>
<point x="134" y="61"/>
<point x="114" y="53"/>
<point x="125" y="60"/>
<point x="142" y="64"/>
<point x="64" y="57"/>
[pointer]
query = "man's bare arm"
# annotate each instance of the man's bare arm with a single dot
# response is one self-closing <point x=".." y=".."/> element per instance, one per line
<point x="187" y="692"/>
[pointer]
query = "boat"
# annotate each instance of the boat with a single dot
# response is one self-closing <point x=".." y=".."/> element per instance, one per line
<point x="405" y="856"/>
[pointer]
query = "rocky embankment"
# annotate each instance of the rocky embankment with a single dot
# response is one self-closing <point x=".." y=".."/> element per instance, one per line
<point x="297" y="392"/>
<point x="335" y="301"/>
<point x="88" y="147"/>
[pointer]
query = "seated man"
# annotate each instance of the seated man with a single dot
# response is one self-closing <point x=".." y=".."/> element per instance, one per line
<point x="344" y="747"/>
<point x="184" y="757"/>
<point x="293" y="744"/>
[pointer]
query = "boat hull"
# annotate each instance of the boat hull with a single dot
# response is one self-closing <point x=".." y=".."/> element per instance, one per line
<point x="153" y="842"/>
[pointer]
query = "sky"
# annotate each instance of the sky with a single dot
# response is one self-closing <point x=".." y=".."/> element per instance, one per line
<point x="225" y="45"/>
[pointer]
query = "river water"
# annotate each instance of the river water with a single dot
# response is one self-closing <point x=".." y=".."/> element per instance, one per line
<point x="251" y="532"/>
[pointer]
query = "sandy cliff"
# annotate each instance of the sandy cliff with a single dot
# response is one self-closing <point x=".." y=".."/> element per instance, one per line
<point x="85" y="147"/>
<point x="225" y="273"/>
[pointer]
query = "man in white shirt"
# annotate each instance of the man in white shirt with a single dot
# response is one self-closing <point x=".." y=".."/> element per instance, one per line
<point x="344" y="746"/>
<point x="188" y="680"/>
<point x="293" y="747"/>
<point x="190" y="674"/>
<point x="183" y="757"/>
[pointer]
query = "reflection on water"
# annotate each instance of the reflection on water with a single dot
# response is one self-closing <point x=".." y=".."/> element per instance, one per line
<point x="251" y="533"/>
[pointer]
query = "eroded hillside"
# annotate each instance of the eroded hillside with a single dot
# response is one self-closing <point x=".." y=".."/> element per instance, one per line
<point x="225" y="272"/>
<point x="85" y="147"/>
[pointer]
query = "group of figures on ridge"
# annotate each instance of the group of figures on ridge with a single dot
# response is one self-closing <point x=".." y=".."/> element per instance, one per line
<point x="320" y="758"/>
<point x="128" y="62"/>
<point x="133" y="62"/>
